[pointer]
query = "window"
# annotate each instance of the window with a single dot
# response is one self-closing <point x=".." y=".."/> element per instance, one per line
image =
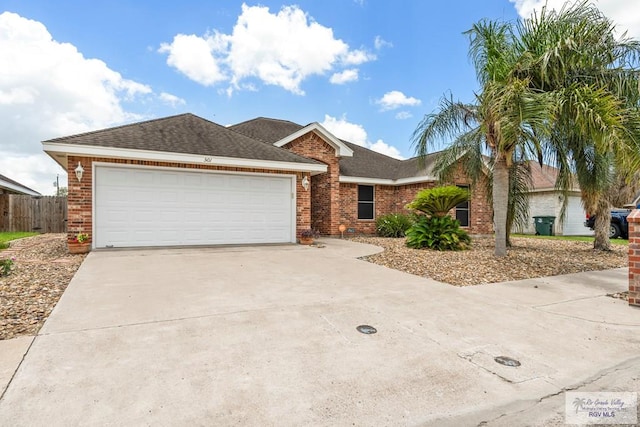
<point x="462" y="210"/>
<point x="365" y="202"/>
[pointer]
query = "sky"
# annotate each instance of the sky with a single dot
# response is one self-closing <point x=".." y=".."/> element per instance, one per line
<point x="367" y="70"/>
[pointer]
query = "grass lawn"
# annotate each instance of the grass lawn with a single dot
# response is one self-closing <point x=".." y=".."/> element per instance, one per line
<point x="6" y="236"/>
<point x="574" y="238"/>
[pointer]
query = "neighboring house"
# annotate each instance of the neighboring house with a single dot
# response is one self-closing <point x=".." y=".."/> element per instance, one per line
<point x="546" y="200"/>
<point x="184" y="180"/>
<point x="9" y="186"/>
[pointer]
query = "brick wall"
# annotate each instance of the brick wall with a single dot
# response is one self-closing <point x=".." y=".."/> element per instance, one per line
<point x="80" y="197"/>
<point x="393" y="199"/>
<point x="385" y="201"/>
<point x="634" y="257"/>
<point x="325" y="188"/>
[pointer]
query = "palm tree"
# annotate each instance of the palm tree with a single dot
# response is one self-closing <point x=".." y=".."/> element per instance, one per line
<point x="558" y="86"/>
<point x="507" y="118"/>
<point x="575" y="54"/>
<point x="478" y="167"/>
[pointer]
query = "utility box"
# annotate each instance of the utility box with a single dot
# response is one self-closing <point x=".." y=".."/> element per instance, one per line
<point x="544" y="225"/>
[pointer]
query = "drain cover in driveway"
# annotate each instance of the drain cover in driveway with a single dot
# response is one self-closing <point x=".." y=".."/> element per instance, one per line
<point x="366" y="329"/>
<point x="488" y="356"/>
<point x="507" y="361"/>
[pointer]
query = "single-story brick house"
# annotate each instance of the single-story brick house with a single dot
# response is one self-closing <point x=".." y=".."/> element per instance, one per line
<point x="9" y="186"/>
<point x="184" y="180"/>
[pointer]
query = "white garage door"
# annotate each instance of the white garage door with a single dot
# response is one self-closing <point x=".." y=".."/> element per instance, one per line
<point x="574" y="223"/>
<point x="154" y="207"/>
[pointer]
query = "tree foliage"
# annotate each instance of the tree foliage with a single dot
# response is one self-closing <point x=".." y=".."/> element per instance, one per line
<point x="559" y="87"/>
<point x="438" y="201"/>
<point x="441" y="233"/>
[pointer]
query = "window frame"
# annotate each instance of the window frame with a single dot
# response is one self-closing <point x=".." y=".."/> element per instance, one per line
<point x="464" y="206"/>
<point x="371" y="202"/>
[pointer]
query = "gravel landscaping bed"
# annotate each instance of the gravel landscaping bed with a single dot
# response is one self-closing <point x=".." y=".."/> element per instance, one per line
<point x="528" y="258"/>
<point x="41" y="272"/>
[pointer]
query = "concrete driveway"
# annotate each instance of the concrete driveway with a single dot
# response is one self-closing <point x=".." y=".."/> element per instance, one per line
<point x="267" y="336"/>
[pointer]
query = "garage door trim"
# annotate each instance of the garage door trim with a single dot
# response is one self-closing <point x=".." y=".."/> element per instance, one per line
<point x="96" y="165"/>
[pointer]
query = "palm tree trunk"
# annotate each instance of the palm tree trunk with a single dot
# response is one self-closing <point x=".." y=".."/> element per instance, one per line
<point x="601" y="227"/>
<point x="500" y="204"/>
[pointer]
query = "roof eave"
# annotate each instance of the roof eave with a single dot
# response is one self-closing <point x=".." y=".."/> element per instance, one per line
<point x="60" y="151"/>
<point x="18" y="188"/>
<point x="383" y="181"/>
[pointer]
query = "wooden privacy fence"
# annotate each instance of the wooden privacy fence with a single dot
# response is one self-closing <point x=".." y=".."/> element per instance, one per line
<point x="44" y="214"/>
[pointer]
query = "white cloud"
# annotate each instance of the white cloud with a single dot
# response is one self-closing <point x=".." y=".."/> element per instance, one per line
<point x="192" y="56"/>
<point x="49" y="89"/>
<point x="403" y="115"/>
<point x="380" y="43"/>
<point x="396" y="99"/>
<point x="382" y="147"/>
<point x="357" y="57"/>
<point x="624" y="13"/>
<point x="356" y="134"/>
<point x="281" y="49"/>
<point x="346" y="76"/>
<point x="172" y="100"/>
<point x="36" y="171"/>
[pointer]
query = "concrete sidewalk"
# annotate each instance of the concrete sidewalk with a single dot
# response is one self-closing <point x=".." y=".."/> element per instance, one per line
<point x="266" y="336"/>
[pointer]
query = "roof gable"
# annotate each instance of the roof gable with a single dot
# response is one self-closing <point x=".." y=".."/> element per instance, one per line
<point x="342" y="150"/>
<point x="356" y="161"/>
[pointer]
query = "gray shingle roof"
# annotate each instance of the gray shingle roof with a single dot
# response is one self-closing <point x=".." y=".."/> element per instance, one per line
<point x="365" y="163"/>
<point x="266" y="130"/>
<point x="187" y="134"/>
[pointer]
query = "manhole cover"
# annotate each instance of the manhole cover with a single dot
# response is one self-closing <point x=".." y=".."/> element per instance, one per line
<point x="507" y="361"/>
<point x="366" y="329"/>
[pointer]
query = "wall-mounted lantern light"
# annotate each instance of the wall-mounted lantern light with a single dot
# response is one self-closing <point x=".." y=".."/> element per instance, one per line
<point x="79" y="171"/>
<point x="305" y="183"/>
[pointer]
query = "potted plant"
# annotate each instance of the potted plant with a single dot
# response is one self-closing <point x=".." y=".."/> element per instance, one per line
<point x="79" y="244"/>
<point x="307" y="236"/>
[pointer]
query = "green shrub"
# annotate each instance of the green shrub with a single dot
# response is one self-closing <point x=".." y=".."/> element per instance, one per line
<point x="393" y="225"/>
<point x="438" y="201"/>
<point x="4" y="245"/>
<point x="5" y="266"/>
<point x="440" y="233"/>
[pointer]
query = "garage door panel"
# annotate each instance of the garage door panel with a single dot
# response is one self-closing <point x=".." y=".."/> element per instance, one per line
<point x="574" y="221"/>
<point x="140" y="207"/>
<point x="169" y="180"/>
<point x="143" y="177"/>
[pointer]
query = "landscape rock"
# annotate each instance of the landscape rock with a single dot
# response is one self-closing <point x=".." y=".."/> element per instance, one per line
<point x="527" y="258"/>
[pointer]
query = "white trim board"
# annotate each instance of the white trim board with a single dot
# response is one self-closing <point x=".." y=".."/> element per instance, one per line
<point x="161" y="156"/>
<point x="18" y="188"/>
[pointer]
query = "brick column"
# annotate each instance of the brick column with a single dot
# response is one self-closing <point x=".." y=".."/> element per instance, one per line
<point x="634" y="257"/>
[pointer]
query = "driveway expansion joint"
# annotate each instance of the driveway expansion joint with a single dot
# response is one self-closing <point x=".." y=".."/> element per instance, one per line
<point x="13" y="375"/>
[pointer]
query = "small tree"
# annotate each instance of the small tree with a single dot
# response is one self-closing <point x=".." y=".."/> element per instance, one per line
<point x="435" y="229"/>
<point x="438" y="201"/>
